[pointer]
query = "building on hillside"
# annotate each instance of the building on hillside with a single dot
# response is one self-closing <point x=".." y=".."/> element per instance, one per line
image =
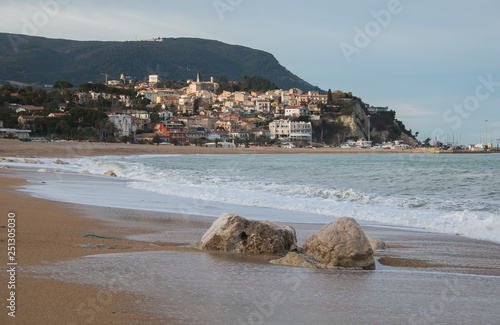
<point x="196" y="132"/>
<point x="249" y="109"/>
<point x="140" y="123"/>
<point x="201" y="86"/>
<point x="140" y="114"/>
<point x="166" y="115"/>
<point x="162" y="96"/>
<point x="153" y="78"/>
<point x="285" y="98"/>
<point x="295" y="111"/>
<point x="376" y="110"/>
<point x="241" y="135"/>
<point x="318" y="99"/>
<point x="295" y="131"/>
<point x="242" y="97"/>
<point x="295" y="91"/>
<point x="262" y="106"/>
<point x="172" y="130"/>
<point x="123" y="125"/>
<point x="20" y="134"/>
<point x="218" y="135"/>
<point x="57" y="114"/>
<point x="207" y="122"/>
<point x="228" y="126"/>
<point x="27" y="121"/>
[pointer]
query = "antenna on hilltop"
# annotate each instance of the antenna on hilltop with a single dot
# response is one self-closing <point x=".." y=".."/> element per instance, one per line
<point x="106" y="77"/>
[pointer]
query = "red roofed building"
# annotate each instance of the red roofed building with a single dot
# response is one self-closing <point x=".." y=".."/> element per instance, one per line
<point x="32" y="108"/>
<point x="172" y="130"/>
<point x="57" y="114"/>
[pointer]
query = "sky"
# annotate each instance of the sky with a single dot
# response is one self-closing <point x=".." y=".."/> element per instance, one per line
<point x="434" y="62"/>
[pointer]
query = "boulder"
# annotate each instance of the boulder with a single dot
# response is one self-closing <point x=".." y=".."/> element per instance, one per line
<point x="232" y="233"/>
<point x="110" y="173"/>
<point x="341" y="244"/>
<point x="295" y="259"/>
<point x="376" y="244"/>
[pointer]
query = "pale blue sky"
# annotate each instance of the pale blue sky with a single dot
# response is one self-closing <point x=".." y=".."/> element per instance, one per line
<point x="424" y="59"/>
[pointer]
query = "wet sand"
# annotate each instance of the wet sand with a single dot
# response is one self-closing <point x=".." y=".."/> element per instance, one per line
<point x="152" y="276"/>
<point x="49" y="231"/>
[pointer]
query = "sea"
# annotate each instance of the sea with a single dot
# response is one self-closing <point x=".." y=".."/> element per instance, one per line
<point x="456" y="194"/>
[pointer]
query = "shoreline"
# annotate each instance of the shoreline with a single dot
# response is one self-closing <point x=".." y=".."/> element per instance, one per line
<point x="16" y="148"/>
<point x="47" y="232"/>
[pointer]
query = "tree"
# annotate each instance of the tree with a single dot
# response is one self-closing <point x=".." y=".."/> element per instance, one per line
<point x="127" y="139"/>
<point x="156" y="139"/>
<point x="61" y="84"/>
<point x="196" y="106"/>
<point x="329" y="97"/>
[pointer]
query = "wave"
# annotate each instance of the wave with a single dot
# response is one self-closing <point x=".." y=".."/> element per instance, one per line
<point x="267" y="186"/>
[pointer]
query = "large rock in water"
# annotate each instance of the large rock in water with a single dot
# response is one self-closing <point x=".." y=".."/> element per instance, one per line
<point x="295" y="259"/>
<point x="232" y="233"/>
<point x="341" y="244"/>
<point x="376" y="244"/>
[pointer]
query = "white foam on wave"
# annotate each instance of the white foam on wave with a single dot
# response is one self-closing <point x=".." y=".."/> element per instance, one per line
<point x="186" y="190"/>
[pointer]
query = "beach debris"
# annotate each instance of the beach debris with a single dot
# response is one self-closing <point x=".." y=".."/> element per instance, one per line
<point x="92" y="235"/>
<point x="376" y="244"/>
<point x="232" y="233"/>
<point x="60" y="162"/>
<point x="35" y="162"/>
<point x="43" y="170"/>
<point x="86" y="172"/>
<point x="110" y="173"/>
<point x="5" y="167"/>
<point x="298" y="260"/>
<point x="341" y="244"/>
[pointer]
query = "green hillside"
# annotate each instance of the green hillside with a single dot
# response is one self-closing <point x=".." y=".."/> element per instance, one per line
<point x="38" y="60"/>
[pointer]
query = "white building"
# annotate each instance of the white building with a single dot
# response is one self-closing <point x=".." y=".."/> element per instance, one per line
<point x="123" y="124"/>
<point x="241" y="97"/>
<point x="295" y="111"/>
<point x="286" y="129"/>
<point x="166" y="115"/>
<point x="153" y="78"/>
<point x="20" y="134"/>
<point x="262" y="106"/>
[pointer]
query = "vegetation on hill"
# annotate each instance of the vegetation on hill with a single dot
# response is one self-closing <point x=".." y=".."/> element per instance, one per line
<point x="248" y="84"/>
<point x="41" y="60"/>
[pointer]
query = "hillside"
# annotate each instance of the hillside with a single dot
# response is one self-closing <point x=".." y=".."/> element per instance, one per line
<point x="352" y="121"/>
<point x="38" y="60"/>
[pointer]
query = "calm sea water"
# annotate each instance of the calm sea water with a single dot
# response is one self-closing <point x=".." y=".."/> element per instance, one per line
<point x="457" y="194"/>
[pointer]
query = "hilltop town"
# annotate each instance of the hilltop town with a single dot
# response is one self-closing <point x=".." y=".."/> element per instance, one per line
<point x="252" y="112"/>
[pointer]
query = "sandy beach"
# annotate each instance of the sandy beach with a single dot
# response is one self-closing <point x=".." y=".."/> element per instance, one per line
<point x="16" y="148"/>
<point x="51" y="235"/>
<point x="48" y="231"/>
